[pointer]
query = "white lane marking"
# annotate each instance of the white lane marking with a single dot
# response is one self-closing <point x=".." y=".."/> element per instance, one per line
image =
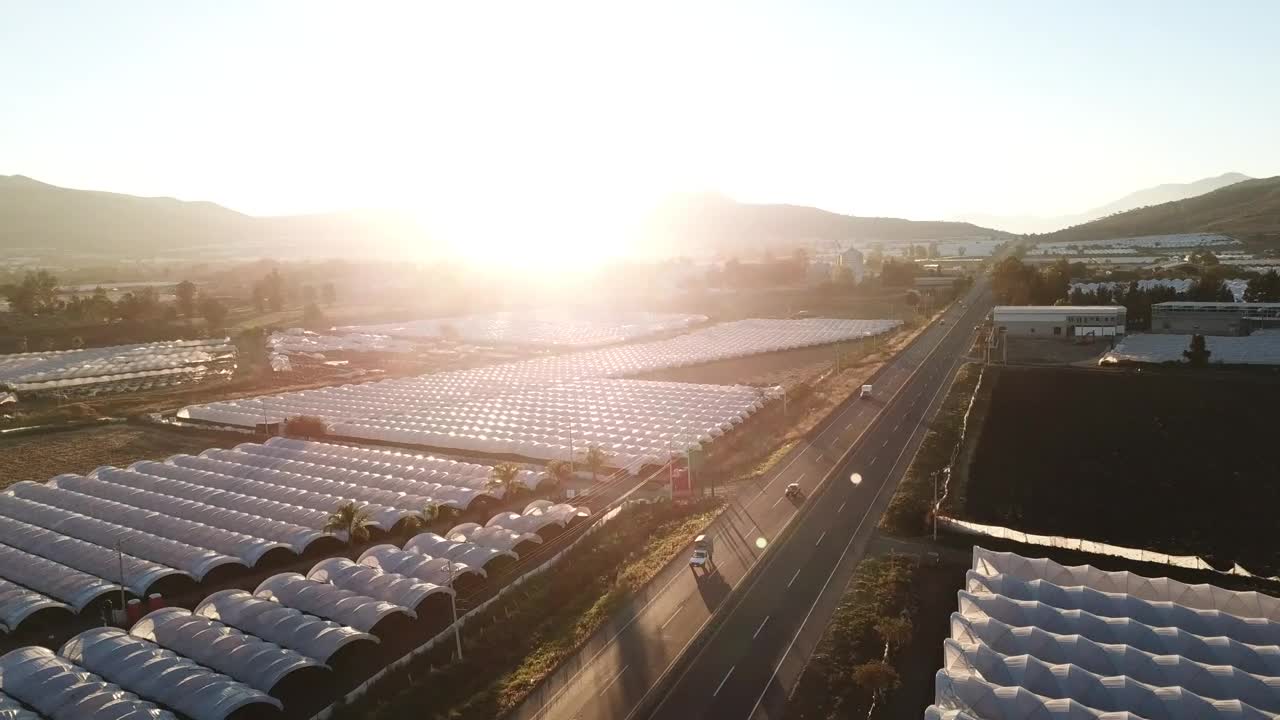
<point x="873" y="461"/>
<point x="895" y="427"/>
<point x="722" y="682"/>
<point x="775" y="502"/>
<point x="841" y="508"/>
<point x="848" y="546"/>
<point x="850" y="425"/>
<point x="609" y="684"/>
<point x="793" y="577"/>
<point x="757" y="632"/>
<point x="803" y="474"/>
<point x="673" y="617"/>
<point x="886" y="442"/>
<point x="824" y="534"/>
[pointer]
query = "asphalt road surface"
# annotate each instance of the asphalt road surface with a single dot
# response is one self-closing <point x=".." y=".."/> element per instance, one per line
<point x="749" y="661"/>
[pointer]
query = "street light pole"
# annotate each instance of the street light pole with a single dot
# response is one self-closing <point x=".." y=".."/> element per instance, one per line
<point x="935" y="506"/>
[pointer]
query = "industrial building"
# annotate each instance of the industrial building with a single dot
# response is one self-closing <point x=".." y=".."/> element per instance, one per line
<point x="1213" y="318"/>
<point x="1062" y="321"/>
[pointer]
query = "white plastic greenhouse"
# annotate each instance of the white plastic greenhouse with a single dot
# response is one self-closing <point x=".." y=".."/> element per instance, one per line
<point x="298" y="341"/>
<point x="1033" y="635"/>
<point x="58" y="688"/>
<point x="328" y="601"/>
<point x="496" y="537"/>
<point x="160" y="675"/>
<point x="478" y="556"/>
<point x="312" y="636"/>
<point x="538" y="327"/>
<point x="194" y="561"/>
<point x="439" y="571"/>
<point x="1258" y="349"/>
<point x="402" y="590"/>
<point x="125" y="366"/>
<point x="17" y="603"/>
<point x="140" y="576"/>
<point x="249" y="659"/>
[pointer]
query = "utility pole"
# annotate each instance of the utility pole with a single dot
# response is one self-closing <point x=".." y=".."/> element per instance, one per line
<point x="120" y="557"/>
<point x="935" y="505"/>
<point x="571" y="471"/>
<point x="453" y="602"/>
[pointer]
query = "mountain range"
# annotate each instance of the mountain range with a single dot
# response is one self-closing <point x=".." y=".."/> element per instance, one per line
<point x="1247" y="210"/>
<point x="1169" y="192"/>
<point x="44" y="219"/>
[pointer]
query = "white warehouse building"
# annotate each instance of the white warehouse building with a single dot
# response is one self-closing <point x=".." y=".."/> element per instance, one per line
<point x="1062" y="321"/>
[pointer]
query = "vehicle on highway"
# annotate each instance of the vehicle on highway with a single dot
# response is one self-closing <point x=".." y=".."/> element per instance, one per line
<point x="703" y="549"/>
<point x="793" y="490"/>
<point x="865" y="392"/>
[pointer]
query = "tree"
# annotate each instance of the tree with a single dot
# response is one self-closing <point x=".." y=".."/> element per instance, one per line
<point x="185" y="293"/>
<point x="213" y="312"/>
<point x="558" y="471"/>
<point x="1264" y="288"/>
<point x="306" y="427"/>
<point x="36" y="294"/>
<point x="912" y="298"/>
<point x="895" y="631"/>
<point x="503" y="479"/>
<point x="351" y="520"/>
<point x="312" y="317"/>
<point x="897" y="273"/>
<point x="1198" y="354"/>
<point x="596" y="459"/>
<point x="876" y="677"/>
<point x="422" y="519"/>
<point x="328" y="294"/>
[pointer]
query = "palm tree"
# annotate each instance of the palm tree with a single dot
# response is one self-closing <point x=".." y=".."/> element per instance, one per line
<point x="424" y="517"/>
<point x="596" y="459"/>
<point x="504" y="478"/>
<point x="352" y="519"/>
<point x="558" y="471"/>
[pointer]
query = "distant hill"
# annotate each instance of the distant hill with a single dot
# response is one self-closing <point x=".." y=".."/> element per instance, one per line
<point x="714" y="223"/>
<point x="1168" y="192"/>
<point x="1249" y="210"/>
<point x="46" y="218"/>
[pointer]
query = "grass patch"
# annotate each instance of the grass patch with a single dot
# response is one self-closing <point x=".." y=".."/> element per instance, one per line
<point x="524" y="636"/>
<point x="769" y="461"/>
<point x="908" y="511"/>
<point x="879" y="591"/>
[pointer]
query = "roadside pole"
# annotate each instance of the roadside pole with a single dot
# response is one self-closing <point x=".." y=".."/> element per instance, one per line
<point x="453" y="603"/>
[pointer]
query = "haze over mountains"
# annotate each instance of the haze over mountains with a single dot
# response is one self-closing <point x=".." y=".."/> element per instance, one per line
<point x="43" y="218"/>
<point x="1169" y="192"/>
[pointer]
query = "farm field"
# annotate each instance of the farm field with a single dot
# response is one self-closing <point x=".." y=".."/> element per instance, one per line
<point x="45" y="455"/>
<point x="1175" y="462"/>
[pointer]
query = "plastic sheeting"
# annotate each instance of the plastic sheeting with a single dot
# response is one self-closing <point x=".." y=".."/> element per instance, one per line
<point x="498" y="538"/>
<point x="439" y="571"/>
<point x="139" y="574"/>
<point x="160" y="675"/>
<point x="303" y="490"/>
<point x="407" y="592"/>
<point x="68" y="585"/>
<point x="312" y="636"/>
<point x="413" y="466"/>
<point x="62" y="690"/>
<point x="1021" y="643"/>
<point x="537" y="516"/>
<point x="17" y="603"/>
<point x="194" y="561"/>
<point x="11" y="709"/>
<point x="249" y="659"/>
<point x="295" y="537"/>
<point x="377" y="400"/>
<point x="541" y="328"/>
<point x="297" y="340"/>
<point x="328" y="601"/>
<point x="432" y="545"/>
<point x="249" y="550"/>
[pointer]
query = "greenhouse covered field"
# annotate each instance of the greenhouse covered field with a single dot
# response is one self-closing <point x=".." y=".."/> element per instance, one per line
<point x="298" y="341"/>
<point x="538" y="328"/>
<point x="1032" y="635"/>
<point x="425" y="393"/>
<point x="118" y="368"/>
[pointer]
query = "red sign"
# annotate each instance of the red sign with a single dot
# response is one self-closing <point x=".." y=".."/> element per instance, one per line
<point x="680" y="485"/>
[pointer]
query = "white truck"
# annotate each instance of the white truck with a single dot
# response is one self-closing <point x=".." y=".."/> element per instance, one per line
<point x="703" y="549"/>
<point x="865" y="392"/>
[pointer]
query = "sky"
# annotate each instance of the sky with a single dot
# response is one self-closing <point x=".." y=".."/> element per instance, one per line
<point x="492" y="116"/>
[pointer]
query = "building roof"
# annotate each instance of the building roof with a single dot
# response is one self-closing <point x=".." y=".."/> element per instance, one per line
<point x="1215" y="305"/>
<point x="1055" y="309"/>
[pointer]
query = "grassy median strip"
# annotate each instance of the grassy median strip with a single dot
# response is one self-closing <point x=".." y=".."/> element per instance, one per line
<point x="521" y="639"/>
<point x="853" y="667"/>
<point x="908" y="511"/>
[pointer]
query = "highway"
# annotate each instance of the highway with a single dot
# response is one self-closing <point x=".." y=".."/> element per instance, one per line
<point x="661" y="657"/>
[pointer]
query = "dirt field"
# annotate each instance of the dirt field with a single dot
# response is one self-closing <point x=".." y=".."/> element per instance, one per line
<point x="1176" y="462"/>
<point x="40" y="457"/>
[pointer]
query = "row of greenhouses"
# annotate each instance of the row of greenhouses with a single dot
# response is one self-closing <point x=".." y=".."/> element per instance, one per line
<point x="541" y="328"/>
<point x="117" y="368"/>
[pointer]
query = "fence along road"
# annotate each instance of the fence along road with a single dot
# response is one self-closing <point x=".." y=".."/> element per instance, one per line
<point x="654" y="659"/>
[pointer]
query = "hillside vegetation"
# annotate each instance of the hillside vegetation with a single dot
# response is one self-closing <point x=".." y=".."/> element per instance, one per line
<point x="1248" y="210"/>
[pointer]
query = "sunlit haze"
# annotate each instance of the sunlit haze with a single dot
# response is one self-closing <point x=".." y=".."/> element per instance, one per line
<point x="498" y="122"/>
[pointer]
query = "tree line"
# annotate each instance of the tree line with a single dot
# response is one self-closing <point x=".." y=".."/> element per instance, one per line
<point x="38" y="294"/>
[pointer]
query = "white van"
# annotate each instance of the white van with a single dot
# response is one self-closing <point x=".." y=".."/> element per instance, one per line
<point x="865" y="392"/>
